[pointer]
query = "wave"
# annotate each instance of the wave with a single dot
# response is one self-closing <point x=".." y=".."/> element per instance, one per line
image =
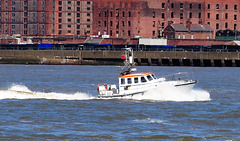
<point x="171" y="93"/>
<point x="23" y="92"/>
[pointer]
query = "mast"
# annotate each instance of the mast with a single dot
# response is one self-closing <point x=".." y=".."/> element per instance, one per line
<point x="129" y="62"/>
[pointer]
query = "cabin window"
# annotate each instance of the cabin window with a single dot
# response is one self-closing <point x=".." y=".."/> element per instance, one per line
<point x="149" y="78"/>
<point x="129" y="80"/>
<point x="143" y="80"/>
<point x="136" y="80"/>
<point x="122" y="81"/>
<point x="153" y="76"/>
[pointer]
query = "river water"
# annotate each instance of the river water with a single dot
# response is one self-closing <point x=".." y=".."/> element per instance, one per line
<point x="41" y="102"/>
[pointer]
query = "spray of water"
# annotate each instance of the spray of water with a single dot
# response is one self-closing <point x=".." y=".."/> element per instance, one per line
<point x="22" y="92"/>
<point x="171" y="93"/>
<point x="163" y="93"/>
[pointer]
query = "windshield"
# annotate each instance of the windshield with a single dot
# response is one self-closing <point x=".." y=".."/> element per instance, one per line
<point x="149" y="78"/>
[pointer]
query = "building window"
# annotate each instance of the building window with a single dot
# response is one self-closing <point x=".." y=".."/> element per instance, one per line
<point x="129" y="33"/>
<point x="226" y="6"/>
<point x="111" y="14"/>
<point x="226" y="25"/>
<point x="88" y="14"/>
<point x="59" y="8"/>
<point x="78" y="20"/>
<point x="13" y="26"/>
<point x="153" y="23"/>
<point x="217" y="6"/>
<point x="69" y="20"/>
<point x="190" y="6"/>
<point x="163" y="5"/>
<point x="199" y="15"/>
<point x="172" y="15"/>
<point x="60" y="3"/>
<point x="69" y="31"/>
<point x="117" y="25"/>
<point x="235" y="26"/>
<point x="217" y="16"/>
<point x="60" y="20"/>
<point x="69" y="26"/>
<point x="129" y="14"/>
<point x="69" y="2"/>
<point x="208" y="23"/>
<point x="69" y="8"/>
<point x="60" y="26"/>
<point x="60" y="32"/>
<point x="199" y="6"/>
<point x="123" y="14"/>
<point x="217" y="26"/>
<point x="88" y="20"/>
<point x="13" y="8"/>
<point x="163" y="16"/>
<point x="105" y="23"/>
<point x="78" y="3"/>
<point x="111" y="23"/>
<point x="88" y="2"/>
<point x="123" y="23"/>
<point x="163" y="25"/>
<point x="78" y="8"/>
<point x="235" y="7"/>
<point x="129" y="23"/>
<point x="153" y="33"/>
<point x="153" y="14"/>
<point x="181" y="15"/>
<point x="190" y="15"/>
<point x="235" y="17"/>
<point x="226" y="15"/>
<point x="13" y="14"/>
<point x="88" y="8"/>
<point x="209" y="6"/>
<point x="59" y="14"/>
<point x="25" y="26"/>
<point x="172" y="5"/>
<point x="181" y="5"/>
<point x="78" y="14"/>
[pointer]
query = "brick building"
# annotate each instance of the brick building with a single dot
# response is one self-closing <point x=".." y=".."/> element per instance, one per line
<point x="46" y="17"/>
<point x="150" y="17"/>
<point x="116" y="18"/>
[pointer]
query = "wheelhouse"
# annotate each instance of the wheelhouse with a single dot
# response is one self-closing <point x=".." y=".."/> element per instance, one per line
<point x="136" y="78"/>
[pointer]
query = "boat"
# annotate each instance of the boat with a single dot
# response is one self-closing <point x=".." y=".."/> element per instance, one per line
<point x="138" y="83"/>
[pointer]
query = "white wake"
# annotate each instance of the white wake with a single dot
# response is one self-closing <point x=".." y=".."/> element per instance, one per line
<point x="171" y="93"/>
<point x="23" y="92"/>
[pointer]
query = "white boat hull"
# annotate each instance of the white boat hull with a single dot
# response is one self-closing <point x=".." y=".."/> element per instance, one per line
<point x="142" y="89"/>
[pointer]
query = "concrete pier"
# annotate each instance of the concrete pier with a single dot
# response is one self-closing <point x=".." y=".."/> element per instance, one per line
<point x="156" y="58"/>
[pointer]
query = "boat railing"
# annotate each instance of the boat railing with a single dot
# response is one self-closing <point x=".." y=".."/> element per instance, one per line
<point x="180" y="76"/>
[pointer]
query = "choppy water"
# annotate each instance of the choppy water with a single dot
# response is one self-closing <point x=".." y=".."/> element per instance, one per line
<point x="59" y="103"/>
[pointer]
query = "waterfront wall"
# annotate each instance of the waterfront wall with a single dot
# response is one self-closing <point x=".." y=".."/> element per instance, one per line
<point x="158" y="58"/>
